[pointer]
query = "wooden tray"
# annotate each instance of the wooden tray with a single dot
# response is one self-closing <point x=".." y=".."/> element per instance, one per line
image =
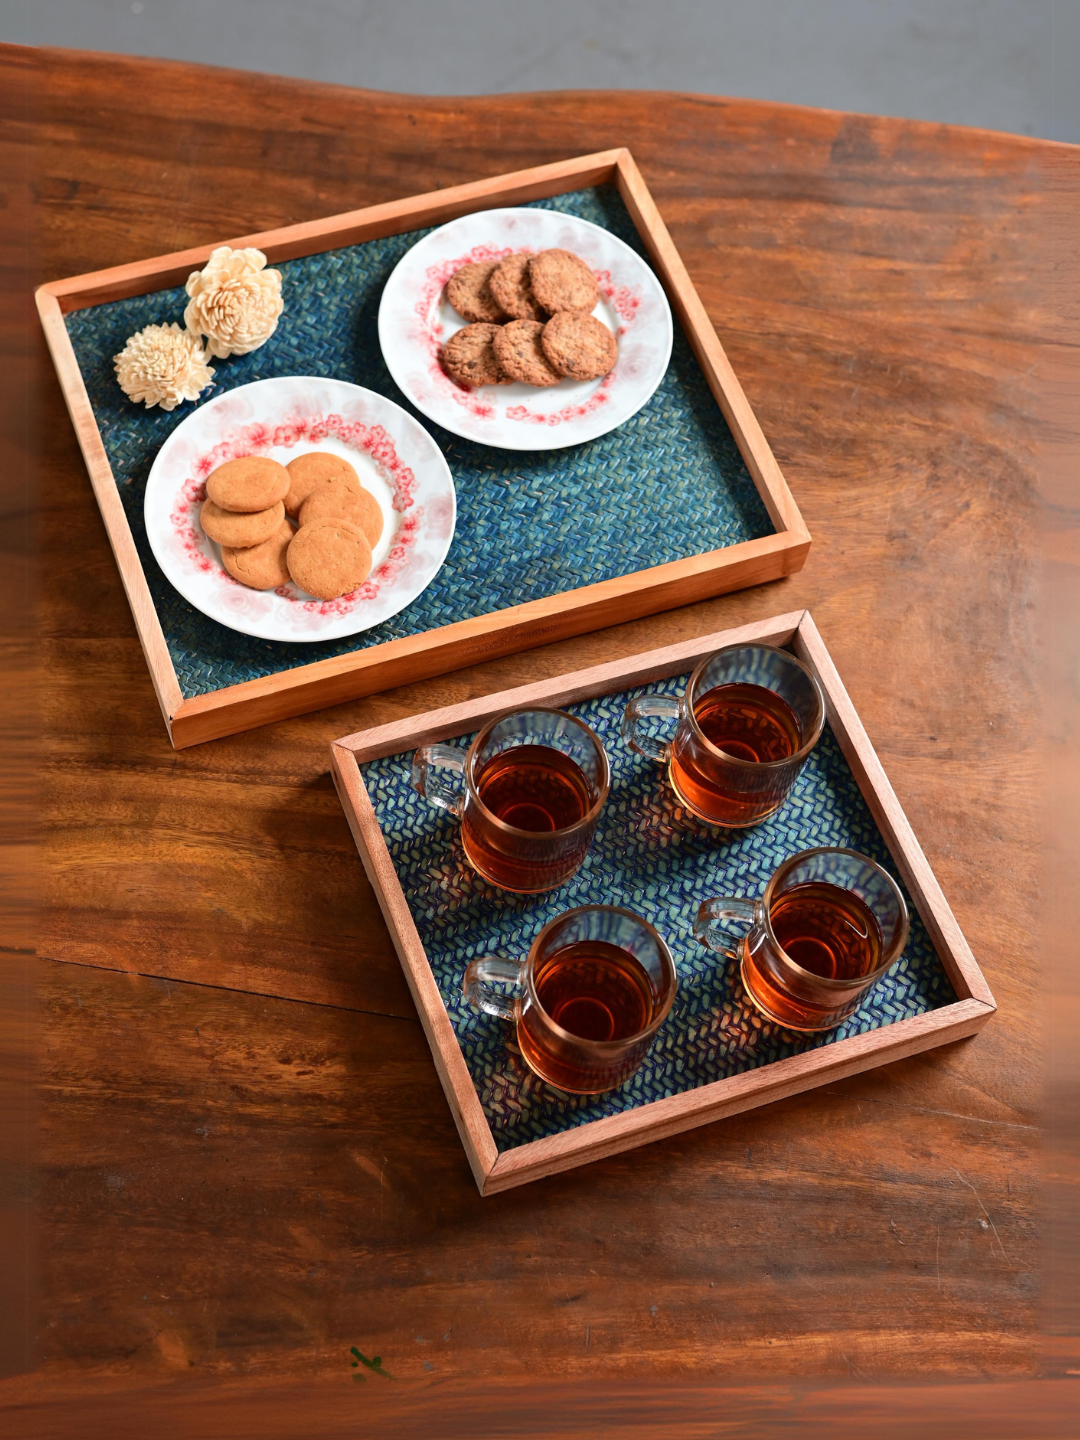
<point x="366" y="669"/>
<point x="960" y="1004"/>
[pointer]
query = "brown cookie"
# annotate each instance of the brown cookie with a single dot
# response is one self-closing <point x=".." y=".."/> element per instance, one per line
<point x="328" y="558"/>
<point x="307" y="471"/>
<point x="468" y="356"/>
<point x="519" y="351"/>
<point x="469" y="293"/>
<point x="262" y="566"/>
<point x="510" y="286"/>
<point x="253" y="483"/>
<point x="333" y="501"/>
<point x="562" y="281"/>
<point x="579" y="345"/>
<point x="239" y="530"/>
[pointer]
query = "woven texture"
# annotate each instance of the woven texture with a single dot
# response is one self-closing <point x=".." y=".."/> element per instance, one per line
<point x="652" y="857"/>
<point x="669" y="483"/>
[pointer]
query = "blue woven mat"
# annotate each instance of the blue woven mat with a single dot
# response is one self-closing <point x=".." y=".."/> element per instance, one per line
<point x="650" y="856"/>
<point x="669" y="483"/>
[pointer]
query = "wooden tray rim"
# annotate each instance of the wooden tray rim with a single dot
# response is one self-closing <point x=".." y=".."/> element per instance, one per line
<point x="530" y="1161"/>
<point x="395" y="662"/>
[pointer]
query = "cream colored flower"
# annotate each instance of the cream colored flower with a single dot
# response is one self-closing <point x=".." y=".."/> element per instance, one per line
<point x="163" y="365"/>
<point x="235" y="302"/>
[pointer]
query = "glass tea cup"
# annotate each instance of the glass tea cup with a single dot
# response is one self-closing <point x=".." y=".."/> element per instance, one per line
<point x="528" y="792"/>
<point x="748" y="719"/>
<point x="596" y="986"/>
<point x="828" y="926"/>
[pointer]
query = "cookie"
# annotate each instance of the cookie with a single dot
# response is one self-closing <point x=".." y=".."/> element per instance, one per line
<point x="468" y="357"/>
<point x="254" y="483"/>
<point x="469" y="293"/>
<point x="237" y="529"/>
<point x="510" y="286"/>
<point x="335" y="501"/>
<point x="562" y="281"/>
<point x="328" y="558"/>
<point x="262" y="566"/>
<point x="579" y="345"/>
<point x="307" y="471"/>
<point x="519" y="351"/>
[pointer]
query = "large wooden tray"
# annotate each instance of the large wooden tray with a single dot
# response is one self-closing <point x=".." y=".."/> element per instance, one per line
<point x="328" y="681"/>
<point x="956" y="1003"/>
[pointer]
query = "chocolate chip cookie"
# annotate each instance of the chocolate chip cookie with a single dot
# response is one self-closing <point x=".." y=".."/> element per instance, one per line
<point x="511" y="289"/>
<point x="519" y="351"/>
<point x="469" y="357"/>
<point x="469" y="292"/>
<point x="579" y="345"/>
<point x="562" y="281"/>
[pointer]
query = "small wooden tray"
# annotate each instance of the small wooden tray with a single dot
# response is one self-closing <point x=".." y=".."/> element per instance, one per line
<point x="955" y="1012"/>
<point x="308" y="684"/>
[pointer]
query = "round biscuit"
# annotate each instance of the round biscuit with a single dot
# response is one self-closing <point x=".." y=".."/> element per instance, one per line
<point x="520" y="352"/>
<point x="341" y="502"/>
<point x="262" y="567"/>
<point x="307" y="471"/>
<point x="469" y="357"/>
<point x="562" y="281"/>
<point x="329" y="558"/>
<point x="579" y="345"/>
<point x="237" y="529"/>
<point x="469" y="292"/>
<point x="252" y="483"/>
<point x="510" y="286"/>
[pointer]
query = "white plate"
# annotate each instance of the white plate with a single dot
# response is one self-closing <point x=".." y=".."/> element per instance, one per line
<point x="395" y="457"/>
<point x="416" y="320"/>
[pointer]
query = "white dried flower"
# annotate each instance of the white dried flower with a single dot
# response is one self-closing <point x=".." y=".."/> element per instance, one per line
<point x="235" y="302"/>
<point x="163" y="365"/>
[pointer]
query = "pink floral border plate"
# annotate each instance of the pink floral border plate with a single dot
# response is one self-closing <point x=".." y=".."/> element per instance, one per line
<point x="415" y="321"/>
<point x="395" y="457"/>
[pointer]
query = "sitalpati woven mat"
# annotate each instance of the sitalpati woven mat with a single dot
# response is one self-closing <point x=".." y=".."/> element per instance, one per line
<point x="669" y="483"/>
<point x="650" y="856"/>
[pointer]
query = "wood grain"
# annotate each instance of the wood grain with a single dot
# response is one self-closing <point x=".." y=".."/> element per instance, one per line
<point x="878" y="288"/>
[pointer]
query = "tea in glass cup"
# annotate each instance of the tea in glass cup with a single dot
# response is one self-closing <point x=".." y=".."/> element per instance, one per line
<point x="749" y="717"/>
<point x="829" y="925"/>
<point x="529" y="793"/>
<point x="596" y="985"/>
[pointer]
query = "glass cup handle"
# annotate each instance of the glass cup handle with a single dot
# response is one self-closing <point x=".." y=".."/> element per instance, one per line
<point x="430" y="766"/>
<point x="709" y="926"/>
<point x="477" y="987"/>
<point x="668" y="706"/>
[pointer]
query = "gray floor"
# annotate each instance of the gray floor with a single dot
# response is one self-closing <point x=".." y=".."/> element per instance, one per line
<point x="1005" y="64"/>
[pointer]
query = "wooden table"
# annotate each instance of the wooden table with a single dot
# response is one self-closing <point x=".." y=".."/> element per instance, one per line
<point x="246" y="1164"/>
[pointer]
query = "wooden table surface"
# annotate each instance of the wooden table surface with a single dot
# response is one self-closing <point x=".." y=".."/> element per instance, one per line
<point x="246" y="1162"/>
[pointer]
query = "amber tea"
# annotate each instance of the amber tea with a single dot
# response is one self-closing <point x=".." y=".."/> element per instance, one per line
<point x="748" y="723"/>
<point x="828" y="932"/>
<point x="535" y="789"/>
<point x="596" y="991"/>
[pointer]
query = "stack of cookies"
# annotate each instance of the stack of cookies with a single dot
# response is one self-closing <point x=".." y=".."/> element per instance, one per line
<point x="249" y="510"/>
<point x="530" y="321"/>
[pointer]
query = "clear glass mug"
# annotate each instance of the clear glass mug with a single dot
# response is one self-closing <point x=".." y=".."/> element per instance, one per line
<point x="828" y="926"/>
<point x="528" y="792"/>
<point x="748" y="719"/>
<point x="596" y="985"/>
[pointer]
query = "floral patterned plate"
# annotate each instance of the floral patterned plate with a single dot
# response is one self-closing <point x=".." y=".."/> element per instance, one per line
<point x="395" y="457"/>
<point x="416" y="320"/>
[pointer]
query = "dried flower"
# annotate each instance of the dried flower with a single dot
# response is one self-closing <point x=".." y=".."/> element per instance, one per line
<point x="163" y="365"/>
<point x="235" y="302"/>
